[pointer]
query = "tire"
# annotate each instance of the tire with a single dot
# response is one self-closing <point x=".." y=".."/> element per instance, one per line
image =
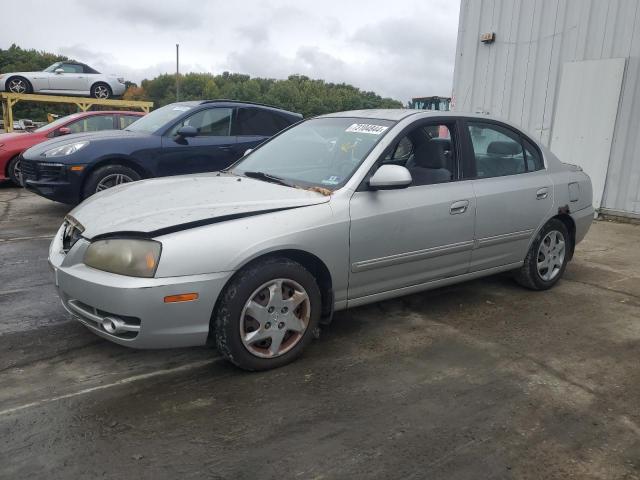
<point x="107" y="177"/>
<point x="13" y="171"/>
<point x="232" y="314"/>
<point x="18" y="85"/>
<point x="101" y="91"/>
<point x="546" y="246"/>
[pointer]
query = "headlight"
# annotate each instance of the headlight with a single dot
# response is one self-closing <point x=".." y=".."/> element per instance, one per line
<point x="135" y="258"/>
<point x="66" y="149"/>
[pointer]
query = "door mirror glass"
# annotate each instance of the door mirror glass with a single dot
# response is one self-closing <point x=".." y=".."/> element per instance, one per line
<point x="389" y="177"/>
<point x="187" y="131"/>
<point x="58" y="71"/>
<point x="63" y="131"/>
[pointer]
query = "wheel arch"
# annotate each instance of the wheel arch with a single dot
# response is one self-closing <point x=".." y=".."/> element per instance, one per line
<point x="568" y="222"/>
<point x="308" y="260"/>
<point x="124" y="161"/>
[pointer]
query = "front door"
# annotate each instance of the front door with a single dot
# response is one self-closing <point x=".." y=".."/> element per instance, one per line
<point x="72" y="79"/>
<point x="513" y="191"/>
<point x="410" y="236"/>
<point x="213" y="149"/>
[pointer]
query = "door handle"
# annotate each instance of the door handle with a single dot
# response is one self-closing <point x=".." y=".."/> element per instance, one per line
<point x="458" y="207"/>
<point x="542" y="193"/>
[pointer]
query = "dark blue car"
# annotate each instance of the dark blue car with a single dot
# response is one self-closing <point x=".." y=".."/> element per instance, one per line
<point x="181" y="138"/>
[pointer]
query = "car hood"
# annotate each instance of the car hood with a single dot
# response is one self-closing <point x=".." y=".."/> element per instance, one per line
<point x="162" y="205"/>
<point x="104" y="135"/>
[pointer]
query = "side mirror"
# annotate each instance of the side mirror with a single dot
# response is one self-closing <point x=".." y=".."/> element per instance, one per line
<point x="187" y="131"/>
<point x="63" y="131"/>
<point x="389" y="177"/>
<point x="58" y="71"/>
<point x="247" y="152"/>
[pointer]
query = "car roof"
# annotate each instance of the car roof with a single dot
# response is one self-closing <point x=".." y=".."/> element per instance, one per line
<point x="233" y="103"/>
<point x="108" y="112"/>
<point x="398" y="114"/>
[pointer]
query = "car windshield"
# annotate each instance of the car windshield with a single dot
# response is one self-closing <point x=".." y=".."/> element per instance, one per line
<point x="322" y="152"/>
<point x="52" y="68"/>
<point x="56" y="123"/>
<point x="157" y="119"/>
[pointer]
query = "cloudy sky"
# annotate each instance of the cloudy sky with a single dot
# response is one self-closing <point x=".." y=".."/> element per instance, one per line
<point x="400" y="48"/>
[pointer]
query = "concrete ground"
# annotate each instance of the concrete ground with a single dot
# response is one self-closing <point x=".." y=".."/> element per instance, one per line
<point x="480" y="380"/>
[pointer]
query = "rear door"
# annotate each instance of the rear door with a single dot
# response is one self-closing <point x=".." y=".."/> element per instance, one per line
<point x="213" y="149"/>
<point x="254" y="125"/>
<point x="514" y="193"/>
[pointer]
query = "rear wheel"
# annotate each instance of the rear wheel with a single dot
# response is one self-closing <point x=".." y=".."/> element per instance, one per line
<point x="14" y="171"/>
<point x="267" y="314"/>
<point x="19" y="85"/>
<point x="101" y="91"/>
<point x="107" y="177"/>
<point x="547" y="257"/>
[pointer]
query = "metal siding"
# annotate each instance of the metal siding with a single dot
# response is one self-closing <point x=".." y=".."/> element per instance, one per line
<point x="518" y="76"/>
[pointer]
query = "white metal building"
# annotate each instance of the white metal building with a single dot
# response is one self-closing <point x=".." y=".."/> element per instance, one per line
<point x="568" y="72"/>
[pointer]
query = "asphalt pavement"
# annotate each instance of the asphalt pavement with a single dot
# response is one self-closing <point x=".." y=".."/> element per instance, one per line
<point x="480" y="380"/>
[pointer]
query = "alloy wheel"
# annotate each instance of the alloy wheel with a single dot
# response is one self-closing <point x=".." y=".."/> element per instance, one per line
<point x="17" y="171"/>
<point x="275" y="318"/>
<point x="101" y="91"/>
<point x="112" y="180"/>
<point x="551" y="254"/>
<point x="18" y="85"/>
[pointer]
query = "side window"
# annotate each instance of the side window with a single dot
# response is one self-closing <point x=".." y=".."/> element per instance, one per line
<point x="498" y="151"/>
<point x="71" y="68"/>
<point x="402" y="152"/>
<point x="433" y="157"/>
<point x="92" y="124"/>
<point x="126" y="120"/>
<point x="212" y="122"/>
<point x="534" y="161"/>
<point x="259" y="122"/>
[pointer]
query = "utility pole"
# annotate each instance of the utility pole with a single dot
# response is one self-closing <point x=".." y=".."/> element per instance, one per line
<point x="177" y="72"/>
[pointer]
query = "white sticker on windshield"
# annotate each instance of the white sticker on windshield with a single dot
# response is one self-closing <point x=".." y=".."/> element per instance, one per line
<point x="180" y="108"/>
<point x="366" y="128"/>
<point x="332" y="180"/>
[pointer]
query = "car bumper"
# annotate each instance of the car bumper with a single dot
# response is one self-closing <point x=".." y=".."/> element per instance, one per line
<point x="58" y="191"/>
<point x="51" y="180"/>
<point x="137" y="304"/>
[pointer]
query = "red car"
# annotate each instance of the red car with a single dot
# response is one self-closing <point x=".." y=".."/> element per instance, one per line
<point x="13" y="144"/>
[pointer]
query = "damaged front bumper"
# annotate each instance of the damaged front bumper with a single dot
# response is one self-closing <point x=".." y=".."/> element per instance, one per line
<point x="131" y="311"/>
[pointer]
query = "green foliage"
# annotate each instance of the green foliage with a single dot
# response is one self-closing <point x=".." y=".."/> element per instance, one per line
<point x="297" y="93"/>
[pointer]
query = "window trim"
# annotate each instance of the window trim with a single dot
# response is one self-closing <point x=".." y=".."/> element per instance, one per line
<point x="448" y="121"/>
<point x="517" y="133"/>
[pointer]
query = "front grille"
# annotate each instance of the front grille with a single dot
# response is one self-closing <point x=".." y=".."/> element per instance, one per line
<point x="28" y="170"/>
<point x="49" y="170"/>
<point x="127" y="327"/>
<point x="31" y="170"/>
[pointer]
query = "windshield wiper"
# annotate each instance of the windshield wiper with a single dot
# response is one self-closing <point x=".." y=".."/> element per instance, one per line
<point x="268" y="178"/>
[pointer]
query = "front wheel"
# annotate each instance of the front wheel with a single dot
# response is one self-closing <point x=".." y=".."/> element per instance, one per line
<point x="107" y="177"/>
<point x="14" y="171"/>
<point x="547" y="257"/>
<point x="267" y="314"/>
<point x="18" y="85"/>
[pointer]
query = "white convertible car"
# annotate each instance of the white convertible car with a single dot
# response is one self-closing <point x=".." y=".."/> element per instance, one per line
<point x="64" y="78"/>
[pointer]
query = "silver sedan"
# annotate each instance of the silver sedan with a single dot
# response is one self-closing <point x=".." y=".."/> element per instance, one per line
<point x="64" y="78"/>
<point x="335" y="212"/>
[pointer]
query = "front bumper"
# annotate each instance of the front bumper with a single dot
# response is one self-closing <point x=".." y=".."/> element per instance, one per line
<point x="51" y="180"/>
<point x="92" y="296"/>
